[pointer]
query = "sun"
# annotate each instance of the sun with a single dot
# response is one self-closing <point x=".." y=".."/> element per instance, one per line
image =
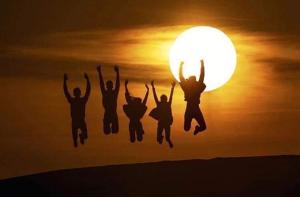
<point x="209" y="44"/>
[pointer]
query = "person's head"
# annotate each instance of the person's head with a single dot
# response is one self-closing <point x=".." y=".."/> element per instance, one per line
<point x="77" y="92"/>
<point x="192" y="79"/>
<point x="109" y="85"/>
<point x="163" y="98"/>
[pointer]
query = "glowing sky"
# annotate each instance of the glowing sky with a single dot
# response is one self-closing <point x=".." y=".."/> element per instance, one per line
<point x="256" y="113"/>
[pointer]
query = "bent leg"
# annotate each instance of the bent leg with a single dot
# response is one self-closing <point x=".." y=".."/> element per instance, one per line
<point x="168" y="135"/>
<point x="74" y="135"/>
<point x="200" y="119"/>
<point x="159" y="136"/>
<point x="84" y="131"/>
<point x="83" y="135"/>
<point x="132" y="132"/>
<point x="115" y="124"/>
<point x="139" y="132"/>
<point x="106" y="124"/>
<point x="187" y="119"/>
<point x="167" y="132"/>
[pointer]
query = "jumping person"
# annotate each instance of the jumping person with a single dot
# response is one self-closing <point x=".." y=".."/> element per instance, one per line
<point x="109" y="102"/>
<point x="163" y="113"/>
<point x="135" y="110"/>
<point x="192" y="91"/>
<point x="78" y="109"/>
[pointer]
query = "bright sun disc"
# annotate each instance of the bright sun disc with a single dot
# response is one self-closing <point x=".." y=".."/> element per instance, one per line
<point x="209" y="44"/>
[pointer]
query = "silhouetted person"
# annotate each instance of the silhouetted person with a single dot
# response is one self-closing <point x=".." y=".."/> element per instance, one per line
<point x="163" y="113"/>
<point x="192" y="91"/>
<point x="78" y="109"/>
<point x="135" y="110"/>
<point x="109" y="102"/>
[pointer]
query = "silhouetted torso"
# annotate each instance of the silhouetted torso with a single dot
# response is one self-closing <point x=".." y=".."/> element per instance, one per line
<point x="164" y="112"/>
<point x="192" y="91"/>
<point x="109" y="100"/>
<point x="134" y="110"/>
<point x="78" y="108"/>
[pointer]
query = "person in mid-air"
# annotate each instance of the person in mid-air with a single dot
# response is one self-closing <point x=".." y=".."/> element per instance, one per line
<point x="163" y="114"/>
<point x="109" y="102"/>
<point x="78" y="110"/>
<point x="135" y="110"/>
<point x="192" y="91"/>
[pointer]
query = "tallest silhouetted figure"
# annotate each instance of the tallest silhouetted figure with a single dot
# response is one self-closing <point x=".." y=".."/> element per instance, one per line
<point x="109" y="101"/>
<point x="192" y="91"/>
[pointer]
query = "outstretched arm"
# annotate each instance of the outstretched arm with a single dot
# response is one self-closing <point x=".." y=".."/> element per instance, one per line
<point x="181" y="72"/>
<point x="154" y="92"/>
<point x="146" y="96"/>
<point x="202" y="72"/>
<point x="67" y="94"/>
<point x="127" y="95"/>
<point x="118" y="79"/>
<point x="172" y="91"/>
<point x="102" y="87"/>
<point x="88" y="87"/>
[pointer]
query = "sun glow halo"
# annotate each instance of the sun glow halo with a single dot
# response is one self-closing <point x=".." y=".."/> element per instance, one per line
<point x="209" y="44"/>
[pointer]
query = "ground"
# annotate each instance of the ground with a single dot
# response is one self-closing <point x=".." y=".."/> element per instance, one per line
<point x="245" y="176"/>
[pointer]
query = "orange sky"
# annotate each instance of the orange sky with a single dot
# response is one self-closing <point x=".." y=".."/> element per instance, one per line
<point x="255" y="113"/>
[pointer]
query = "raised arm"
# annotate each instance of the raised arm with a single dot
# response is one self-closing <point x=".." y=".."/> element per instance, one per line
<point x="172" y="91"/>
<point x="154" y="92"/>
<point x="102" y="87"/>
<point x="88" y="88"/>
<point x="202" y="72"/>
<point x="127" y="95"/>
<point x="146" y="96"/>
<point x="67" y="94"/>
<point x="118" y="79"/>
<point x="181" y="72"/>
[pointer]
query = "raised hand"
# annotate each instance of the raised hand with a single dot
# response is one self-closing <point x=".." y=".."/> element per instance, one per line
<point x="202" y="71"/>
<point x="86" y="76"/>
<point x="65" y="76"/>
<point x="173" y="83"/>
<point x="152" y="83"/>
<point x="126" y="82"/>
<point x="116" y="68"/>
<point x="181" y="77"/>
<point x="146" y="85"/>
<point x="99" y="68"/>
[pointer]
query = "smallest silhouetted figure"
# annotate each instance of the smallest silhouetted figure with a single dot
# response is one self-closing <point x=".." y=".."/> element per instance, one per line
<point x="135" y="110"/>
<point x="78" y="109"/>
<point x="163" y="113"/>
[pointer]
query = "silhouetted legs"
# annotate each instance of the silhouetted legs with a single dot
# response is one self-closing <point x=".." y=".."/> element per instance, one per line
<point x="160" y="128"/>
<point x="194" y="112"/>
<point x="76" y="125"/>
<point x="200" y="119"/>
<point x="160" y="136"/>
<point x="168" y="135"/>
<point x="188" y="117"/>
<point x="83" y="135"/>
<point x="115" y="124"/>
<point x="75" y="136"/>
<point x="136" y="131"/>
<point x="110" y="123"/>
